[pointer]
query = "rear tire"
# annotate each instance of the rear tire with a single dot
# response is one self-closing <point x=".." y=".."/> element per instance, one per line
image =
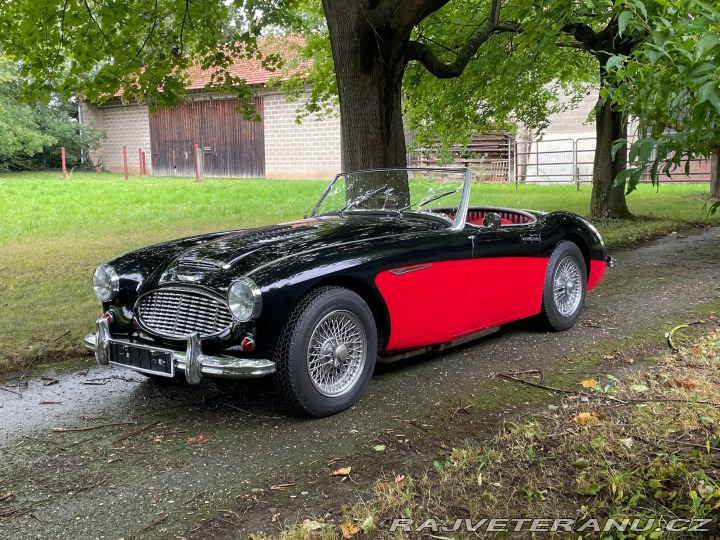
<point x="565" y="287"/>
<point x="326" y="353"/>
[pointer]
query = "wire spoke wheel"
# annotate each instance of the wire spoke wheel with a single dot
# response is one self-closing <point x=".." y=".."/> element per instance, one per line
<point x="336" y="353"/>
<point x="567" y="288"/>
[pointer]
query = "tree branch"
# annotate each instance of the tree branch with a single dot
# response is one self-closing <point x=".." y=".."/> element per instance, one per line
<point x="582" y="33"/>
<point x="401" y="16"/>
<point x="425" y="55"/>
<point x="150" y="33"/>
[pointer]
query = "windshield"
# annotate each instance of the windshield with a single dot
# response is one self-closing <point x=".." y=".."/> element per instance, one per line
<point x="394" y="190"/>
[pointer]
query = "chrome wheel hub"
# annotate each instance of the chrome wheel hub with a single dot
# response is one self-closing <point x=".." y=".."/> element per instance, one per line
<point x="337" y="353"/>
<point x="567" y="289"/>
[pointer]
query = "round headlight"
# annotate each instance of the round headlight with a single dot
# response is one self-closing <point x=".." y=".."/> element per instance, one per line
<point x="244" y="300"/>
<point x="106" y="283"/>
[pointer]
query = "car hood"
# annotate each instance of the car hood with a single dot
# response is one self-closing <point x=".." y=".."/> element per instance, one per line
<point x="237" y="253"/>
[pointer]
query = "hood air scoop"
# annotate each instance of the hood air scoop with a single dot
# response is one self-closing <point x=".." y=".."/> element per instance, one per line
<point x="199" y="264"/>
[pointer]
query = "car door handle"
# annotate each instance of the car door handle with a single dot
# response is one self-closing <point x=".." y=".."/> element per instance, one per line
<point x="530" y="238"/>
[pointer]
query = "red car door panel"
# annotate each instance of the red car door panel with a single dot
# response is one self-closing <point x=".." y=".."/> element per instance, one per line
<point x="424" y="302"/>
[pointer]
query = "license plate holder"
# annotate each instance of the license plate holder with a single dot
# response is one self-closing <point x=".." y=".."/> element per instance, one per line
<point x="150" y="360"/>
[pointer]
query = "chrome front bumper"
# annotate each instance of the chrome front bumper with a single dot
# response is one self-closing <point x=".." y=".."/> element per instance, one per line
<point x="192" y="361"/>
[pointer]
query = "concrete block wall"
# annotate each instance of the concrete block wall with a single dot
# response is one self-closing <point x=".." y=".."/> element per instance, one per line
<point x="573" y="121"/>
<point x="310" y="150"/>
<point x="127" y="125"/>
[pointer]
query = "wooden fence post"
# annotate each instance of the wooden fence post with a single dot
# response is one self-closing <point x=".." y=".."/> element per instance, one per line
<point x="62" y="158"/>
<point x="197" y="164"/>
<point x="125" y="166"/>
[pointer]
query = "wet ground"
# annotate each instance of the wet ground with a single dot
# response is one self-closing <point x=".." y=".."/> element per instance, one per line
<point x="88" y="452"/>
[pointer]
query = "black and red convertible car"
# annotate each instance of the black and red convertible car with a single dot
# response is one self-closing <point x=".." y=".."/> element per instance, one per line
<point x="390" y="263"/>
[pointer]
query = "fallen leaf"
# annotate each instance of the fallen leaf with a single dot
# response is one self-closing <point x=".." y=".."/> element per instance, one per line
<point x="639" y="388"/>
<point x="379" y="448"/>
<point x="585" y="418"/>
<point x="348" y="529"/>
<point x="200" y="439"/>
<point x="400" y="481"/>
<point x="275" y="517"/>
<point x="344" y="471"/>
<point x="280" y="487"/>
<point x="589" y="490"/>
<point x="589" y="383"/>
<point x="312" y="525"/>
<point x="683" y="383"/>
<point x="626" y="442"/>
<point x="368" y="525"/>
<point x="629" y="360"/>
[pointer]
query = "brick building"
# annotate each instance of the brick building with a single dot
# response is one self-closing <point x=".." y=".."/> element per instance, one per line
<point x="276" y="147"/>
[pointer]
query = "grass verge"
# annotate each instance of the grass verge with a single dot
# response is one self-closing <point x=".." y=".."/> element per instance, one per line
<point x="54" y="232"/>
<point x="641" y="453"/>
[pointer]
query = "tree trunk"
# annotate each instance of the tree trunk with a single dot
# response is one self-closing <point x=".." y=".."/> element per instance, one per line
<point x="608" y="201"/>
<point x="369" y="67"/>
<point x="715" y="173"/>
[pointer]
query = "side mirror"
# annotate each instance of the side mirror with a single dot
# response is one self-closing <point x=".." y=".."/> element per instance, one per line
<point x="492" y="220"/>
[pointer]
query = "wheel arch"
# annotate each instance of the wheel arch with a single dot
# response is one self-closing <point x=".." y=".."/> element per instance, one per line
<point x="582" y="245"/>
<point x="371" y="297"/>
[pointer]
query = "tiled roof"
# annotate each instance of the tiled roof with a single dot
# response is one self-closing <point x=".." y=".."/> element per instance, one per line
<point x="251" y="69"/>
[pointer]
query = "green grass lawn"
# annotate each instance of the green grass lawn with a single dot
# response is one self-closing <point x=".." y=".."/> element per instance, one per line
<point x="54" y="232"/>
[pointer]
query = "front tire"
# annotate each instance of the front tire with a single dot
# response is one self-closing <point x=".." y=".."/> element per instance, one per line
<point x="326" y="353"/>
<point x="565" y="287"/>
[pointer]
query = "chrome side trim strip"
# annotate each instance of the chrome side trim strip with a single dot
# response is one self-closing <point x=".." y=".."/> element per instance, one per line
<point x="408" y="269"/>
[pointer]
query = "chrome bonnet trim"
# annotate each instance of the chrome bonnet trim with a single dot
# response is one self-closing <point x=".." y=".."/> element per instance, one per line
<point x="224" y="367"/>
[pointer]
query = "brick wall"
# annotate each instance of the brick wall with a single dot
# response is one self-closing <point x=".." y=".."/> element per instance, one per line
<point x="127" y="125"/>
<point x="308" y="150"/>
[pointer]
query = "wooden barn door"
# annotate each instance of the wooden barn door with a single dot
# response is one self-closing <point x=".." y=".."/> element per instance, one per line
<point x="230" y="147"/>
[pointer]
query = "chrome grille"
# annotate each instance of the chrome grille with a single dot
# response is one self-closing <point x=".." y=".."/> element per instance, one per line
<point x="176" y="313"/>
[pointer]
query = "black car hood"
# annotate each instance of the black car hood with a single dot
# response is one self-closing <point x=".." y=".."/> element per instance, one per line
<point x="239" y="252"/>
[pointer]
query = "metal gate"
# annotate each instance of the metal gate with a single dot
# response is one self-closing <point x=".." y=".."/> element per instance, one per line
<point x="229" y="146"/>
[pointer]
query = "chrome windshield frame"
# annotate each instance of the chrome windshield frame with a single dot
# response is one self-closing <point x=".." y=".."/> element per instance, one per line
<point x="461" y="216"/>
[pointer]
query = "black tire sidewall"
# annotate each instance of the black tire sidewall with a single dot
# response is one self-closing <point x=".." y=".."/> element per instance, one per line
<point x="552" y="317"/>
<point x="293" y="371"/>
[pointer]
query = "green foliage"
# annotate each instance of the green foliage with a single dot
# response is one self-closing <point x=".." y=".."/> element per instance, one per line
<point x="514" y="78"/>
<point x="22" y="135"/>
<point x="671" y="84"/>
<point x="94" y="48"/>
<point x="33" y="132"/>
